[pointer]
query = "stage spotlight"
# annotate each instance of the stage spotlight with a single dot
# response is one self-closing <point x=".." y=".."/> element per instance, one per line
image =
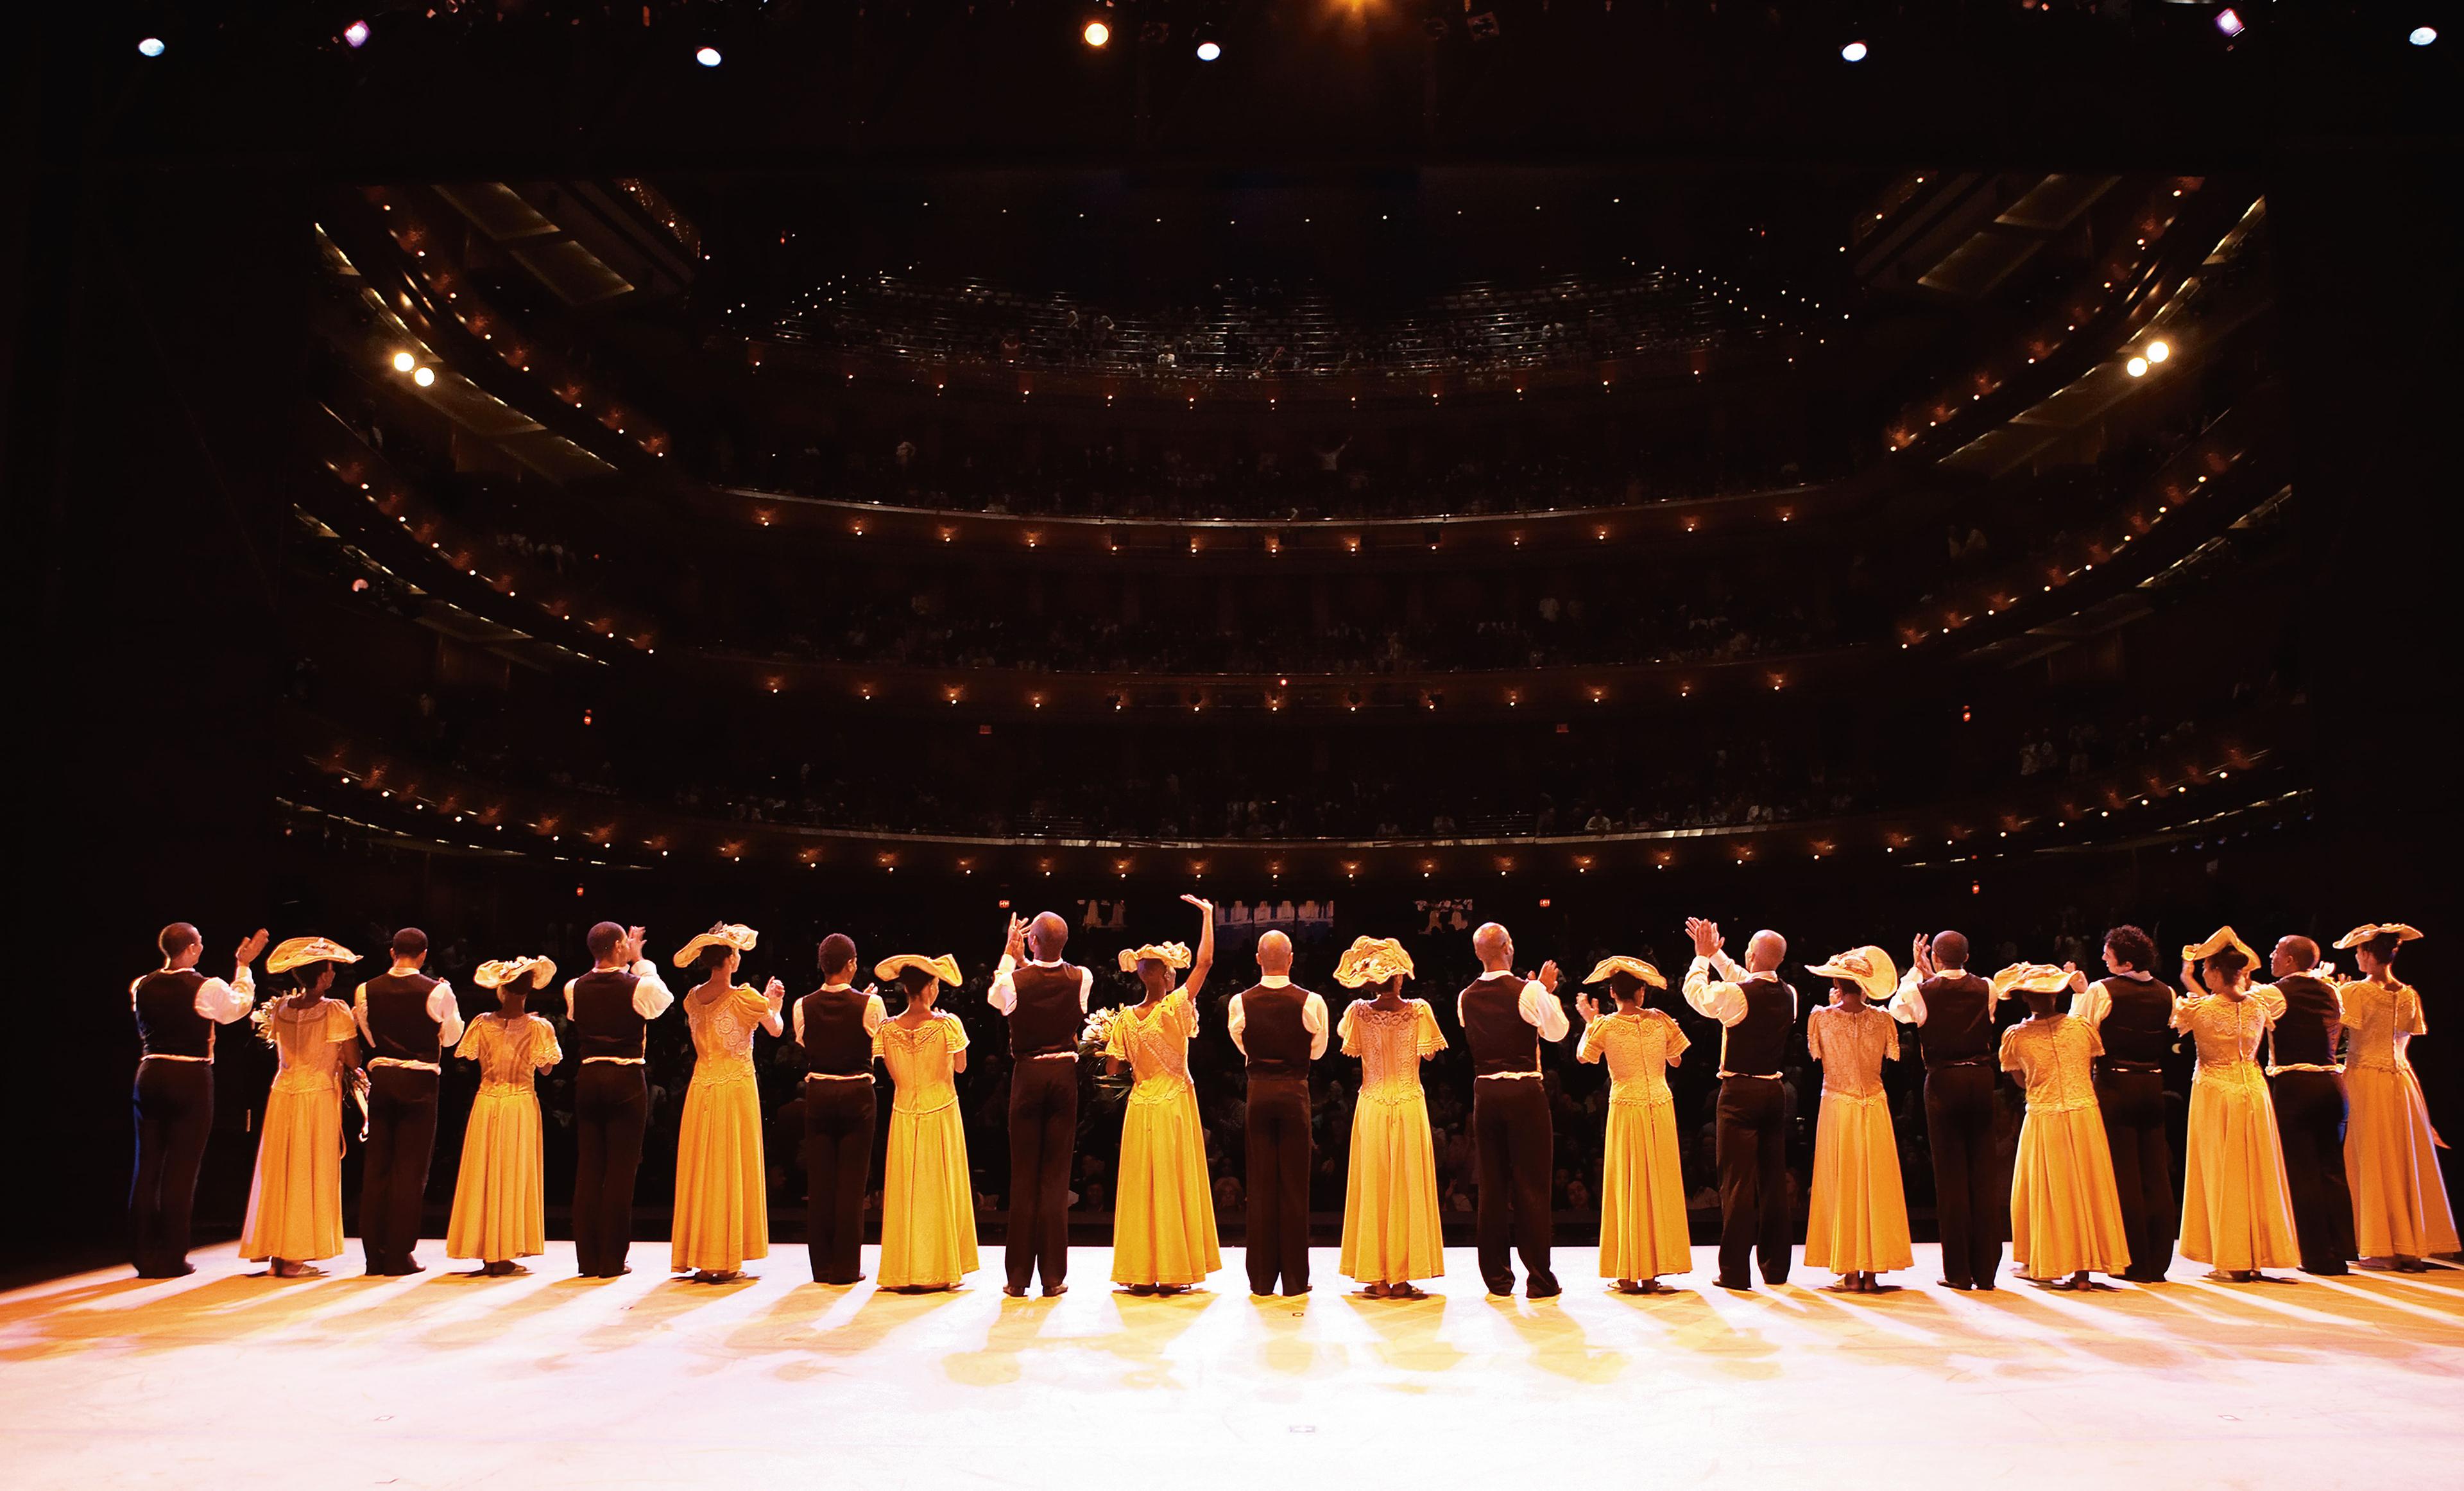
<point x="2158" y="351"/>
<point x="2423" y="35"/>
<point x="403" y="361"/>
<point x="150" y="47"/>
<point x="2137" y="367"/>
<point x="1208" y="48"/>
<point x="2229" y="21"/>
<point x="1097" y="33"/>
<point x="1854" y="52"/>
<point x="357" y="34"/>
<point x="423" y="377"/>
<point x="707" y="57"/>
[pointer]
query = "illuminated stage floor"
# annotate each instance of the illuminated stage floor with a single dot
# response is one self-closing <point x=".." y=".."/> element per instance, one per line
<point x="224" y="1380"/>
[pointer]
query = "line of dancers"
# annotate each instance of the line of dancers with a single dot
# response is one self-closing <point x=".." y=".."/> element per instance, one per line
<point x="2318" y="1154"/>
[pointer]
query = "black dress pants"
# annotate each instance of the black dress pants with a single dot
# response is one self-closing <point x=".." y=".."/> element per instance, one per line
<point x="1969" y="1208"/>
<point x="2310" y="1116"/>
<point x="393" y="1170"/>
<point x="174" y="1102"/>
<point x="1751" y="1138"/>
<point x="1279" y="1177"/>
<point x="1042" y="1136"/>
<point x="611" y="1104"/>
<point x="1511" y="1133"/>
<point x="839" y="1118"/>
<point x="2133" y="1105"/>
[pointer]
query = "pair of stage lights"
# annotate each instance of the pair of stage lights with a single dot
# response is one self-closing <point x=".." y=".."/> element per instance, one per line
<point x="405" y="362"/>
<point x="2153" y="353"/>
<point x="1098" y="34"/>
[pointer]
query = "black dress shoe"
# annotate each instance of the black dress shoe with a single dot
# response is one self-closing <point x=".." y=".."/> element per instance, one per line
<point x="1954" y="1283"/>
<point x="1548" y="1290"/>
<point x="1739" y="1287"/>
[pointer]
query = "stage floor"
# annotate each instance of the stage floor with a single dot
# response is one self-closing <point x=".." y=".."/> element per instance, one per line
<point x="227" y="1380"/>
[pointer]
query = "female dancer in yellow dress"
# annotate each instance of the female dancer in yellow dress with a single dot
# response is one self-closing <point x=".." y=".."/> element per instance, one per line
<point x="295" y="1204"/>
<point x="2400" y="1209"/>
<point x="928" y="1198"/>
<point x="1642" y="1187"/>
<point x="722" y="1215"/>
<point x="1859" y="1222"/>
<point x="2065" y="1212"/>
<point x="1163" y="1211"/>
<point x="1392" y="1233"/>
<point x="2236" y="1216"/>
<point x="499" y="1194"/>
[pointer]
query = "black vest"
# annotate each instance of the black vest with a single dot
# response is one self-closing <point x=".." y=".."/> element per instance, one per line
<point x="2139" y="1028"/>
<point x="168" y="1021"/>
<point x="604" y="1021"/>
<point x="1272" y="1033"/>
<point x="2305" y="1034"/>
<point x="1959" y="1018"/>
<point x="1047" y="1018"/>
<point x="835" y="1042"/>
<point x="399" y="1026"/>
<point x="1500" y="1037"/>
<point x="1755" y="1045"/>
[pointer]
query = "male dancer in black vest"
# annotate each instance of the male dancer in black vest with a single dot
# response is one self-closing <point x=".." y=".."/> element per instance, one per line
<point x="1279" y="1029"/>
<point x="1505" y="1017"/>
<point x="177" y="1009"/>
<point x="610" y="1008"/>
<point x="2309" y="1081"/>
<point x="1046" y="1001"/>
<point x="410" y="1021"/>
<point x="1756" y="1010"/>
<point x="833" y="1030"/>
<point x="2132" y="1011"/>
<point x="1954" y="1008"/>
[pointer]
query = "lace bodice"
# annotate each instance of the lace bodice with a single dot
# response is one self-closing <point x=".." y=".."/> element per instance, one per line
<point x="1639" y="1048"/>
<point x="1156" y="1043"/>
<point x="920" y="1061"/>
<point x="2054" y="1057"/>
<point x="2378" y="1022"/>
<point x="2227" y="1030"/>
<point x="1390" y="1044"/>
<point x="722" y="1033"/>
<point x="510" y="1053"/>
<point x="311" y="1042"/>
<point x="1852" y="1045"/>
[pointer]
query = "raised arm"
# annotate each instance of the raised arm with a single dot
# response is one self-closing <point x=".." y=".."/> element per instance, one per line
<point x="1205" y="962"/>
<point x="774" y="996"/>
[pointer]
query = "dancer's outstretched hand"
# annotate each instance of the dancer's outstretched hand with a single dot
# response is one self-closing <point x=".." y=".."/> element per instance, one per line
<point x="250" y="950"/>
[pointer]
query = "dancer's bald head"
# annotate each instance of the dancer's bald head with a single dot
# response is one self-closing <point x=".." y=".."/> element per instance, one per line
<point x="1275" y="954"/>
<point x="1047" y="934"/>
<point x="2295" y="954"/>
<point x="1491" y="945"/>
<point x="1766" y="951"/>
<point x="1950" y="949"/>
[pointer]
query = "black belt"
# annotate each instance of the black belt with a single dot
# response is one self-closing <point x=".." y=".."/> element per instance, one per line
<point x="2110" y="1064"/>
<point x="1959" y="1061"/>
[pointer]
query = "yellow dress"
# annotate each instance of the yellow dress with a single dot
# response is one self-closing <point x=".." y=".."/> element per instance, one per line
<point x="2390" y="1155"/>
<point x="928" y="1199"/>
<point x="501" y="1193"/>
<point x="1643" y="1186"/>
<point x="1391" y="1231"/>
<point x="2236" y="1213"/>
<point x="2065" y="1211"/>
<point x="722" y="1192"/>
<point x="295" y="1204"/>
<point x="1163" y="1218"/>
<point x="1859" y="1221"/>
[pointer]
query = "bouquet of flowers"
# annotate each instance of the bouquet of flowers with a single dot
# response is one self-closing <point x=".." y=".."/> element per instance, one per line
<point x="1094" y="1040"/>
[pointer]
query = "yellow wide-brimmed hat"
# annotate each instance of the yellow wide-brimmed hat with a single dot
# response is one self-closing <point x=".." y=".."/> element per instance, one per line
<point x="2372" y="931"/>
<point x="1870" y="969"/>
<point x="1624" y="964"/>
<point x="2225" y="937"/>
<point x="722" y="934"/>
<point x="497" y="972"/>
<point x="2029" y="978"/>
<point x="1169" y="954"/>
<point x="1371" y="960"/>
<point x="943" y="968"/>
<point x="298" y="953"/>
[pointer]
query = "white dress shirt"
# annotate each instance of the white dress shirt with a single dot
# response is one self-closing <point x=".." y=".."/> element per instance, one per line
<point x="874" y="1012"/>
<point x="1907" y="1005"/>
<point x="1313" y="1016"/>
<point x="650" y="1000"/>
<point x="1722" y="1000"/>
<point x="1540" y="1009"/>
<point x="218" y="1001"/>
<point x="442" y="1007"/>
<point x="2093" y="1003"/>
